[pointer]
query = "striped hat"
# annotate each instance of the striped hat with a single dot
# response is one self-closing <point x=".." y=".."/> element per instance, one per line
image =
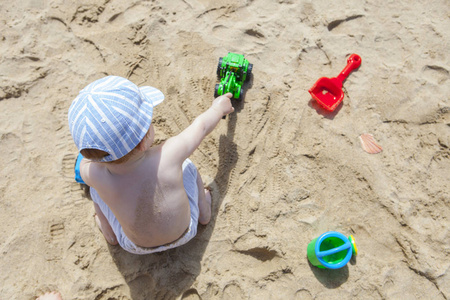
<point x="112" y="114"/>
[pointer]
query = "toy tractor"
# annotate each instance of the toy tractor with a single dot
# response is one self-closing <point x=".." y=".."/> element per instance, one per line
<point x="232" y="71"/>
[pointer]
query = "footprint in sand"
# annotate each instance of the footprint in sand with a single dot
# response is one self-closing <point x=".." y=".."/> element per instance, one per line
<point x="55" y="241"/>
<point x="191" y="294"/>
<point x="303" y="294"/>
<point x="73" y="192"/>
<point x="436" y="73"/>
<point x="233" y="291"/>
<point x="27" y="135"/>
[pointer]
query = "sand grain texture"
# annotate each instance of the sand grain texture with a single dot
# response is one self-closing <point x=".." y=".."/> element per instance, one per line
<point x="282" y="170"/>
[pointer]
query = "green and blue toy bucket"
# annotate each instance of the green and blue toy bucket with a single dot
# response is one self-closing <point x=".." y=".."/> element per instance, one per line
<point x="331" y="250"/>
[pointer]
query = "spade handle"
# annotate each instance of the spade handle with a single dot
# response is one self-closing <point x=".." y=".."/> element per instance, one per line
<point x="353" y="62"/>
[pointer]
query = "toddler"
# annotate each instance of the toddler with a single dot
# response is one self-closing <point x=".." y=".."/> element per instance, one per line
<point x="147" y="199"/>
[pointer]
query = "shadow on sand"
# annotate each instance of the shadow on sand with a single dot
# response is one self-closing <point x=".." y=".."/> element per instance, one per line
<point x="329" y="278"/>
<point x="332" y="279"/>
<point x="321" y="111"/>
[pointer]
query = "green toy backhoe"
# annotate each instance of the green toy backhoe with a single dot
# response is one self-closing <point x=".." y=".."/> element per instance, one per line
<point x="233" y="70"/>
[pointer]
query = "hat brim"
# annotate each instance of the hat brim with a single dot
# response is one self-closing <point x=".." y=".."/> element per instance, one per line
<point x="153" y="95"/>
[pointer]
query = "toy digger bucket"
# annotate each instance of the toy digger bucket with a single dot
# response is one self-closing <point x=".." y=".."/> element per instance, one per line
<point x="331" y="250"/>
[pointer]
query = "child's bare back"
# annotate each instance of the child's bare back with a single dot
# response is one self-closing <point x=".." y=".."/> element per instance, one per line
<point x="147" y="197"/>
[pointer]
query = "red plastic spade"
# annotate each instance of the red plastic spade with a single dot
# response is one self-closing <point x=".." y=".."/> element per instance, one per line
<point x="328" y="91"/>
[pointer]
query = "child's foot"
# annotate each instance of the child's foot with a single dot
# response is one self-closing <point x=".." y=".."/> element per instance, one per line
<point x="106" y="229"/>
<point x="50" y="296"/>
<point x="205" y="210"/>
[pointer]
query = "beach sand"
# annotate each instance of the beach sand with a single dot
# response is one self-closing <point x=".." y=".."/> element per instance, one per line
<point x="282" y="170"/>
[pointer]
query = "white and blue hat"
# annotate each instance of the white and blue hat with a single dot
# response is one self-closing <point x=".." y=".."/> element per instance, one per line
<point x="112" y="114"/>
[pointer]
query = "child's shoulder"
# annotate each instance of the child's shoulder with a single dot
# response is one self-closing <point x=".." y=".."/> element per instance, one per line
<point x="162" y="158"/>
<point x="92" y="172"/>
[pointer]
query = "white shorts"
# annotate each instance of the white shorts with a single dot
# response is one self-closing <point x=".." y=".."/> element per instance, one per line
<point x="190" y="185"/>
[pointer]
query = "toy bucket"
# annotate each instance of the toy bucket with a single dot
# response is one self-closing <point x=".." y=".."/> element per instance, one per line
<point x="331" y="250"/>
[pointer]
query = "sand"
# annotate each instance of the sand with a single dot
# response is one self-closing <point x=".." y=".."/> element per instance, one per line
<point x="282" y="170"/>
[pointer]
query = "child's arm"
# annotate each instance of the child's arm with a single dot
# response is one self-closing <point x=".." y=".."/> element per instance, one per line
<point x="85" y="171"/>
<point x="184" y="144"/>
<point x="90" y="174"/>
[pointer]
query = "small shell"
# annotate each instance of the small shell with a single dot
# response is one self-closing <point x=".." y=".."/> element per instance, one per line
<point x="369" y="144"/>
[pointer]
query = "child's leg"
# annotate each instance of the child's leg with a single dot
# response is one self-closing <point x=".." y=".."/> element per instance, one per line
<point x="104" y="226"/>
<point x="204" y="202"/>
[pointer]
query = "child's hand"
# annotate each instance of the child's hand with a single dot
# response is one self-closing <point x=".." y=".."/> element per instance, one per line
<point x="223" y="104"/>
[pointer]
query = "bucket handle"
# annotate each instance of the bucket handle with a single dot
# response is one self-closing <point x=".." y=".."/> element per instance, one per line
<point x="334" y="250"/>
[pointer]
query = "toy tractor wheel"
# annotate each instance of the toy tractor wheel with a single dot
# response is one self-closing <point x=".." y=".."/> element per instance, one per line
<point x="219" y="66"/>
<point x="216" y="91"/>
<point x="249" y="72"/>
<point x="241" y="94"/>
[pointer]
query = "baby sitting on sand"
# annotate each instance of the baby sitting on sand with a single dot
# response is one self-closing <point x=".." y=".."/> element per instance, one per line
<point x="147" y="199"/>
